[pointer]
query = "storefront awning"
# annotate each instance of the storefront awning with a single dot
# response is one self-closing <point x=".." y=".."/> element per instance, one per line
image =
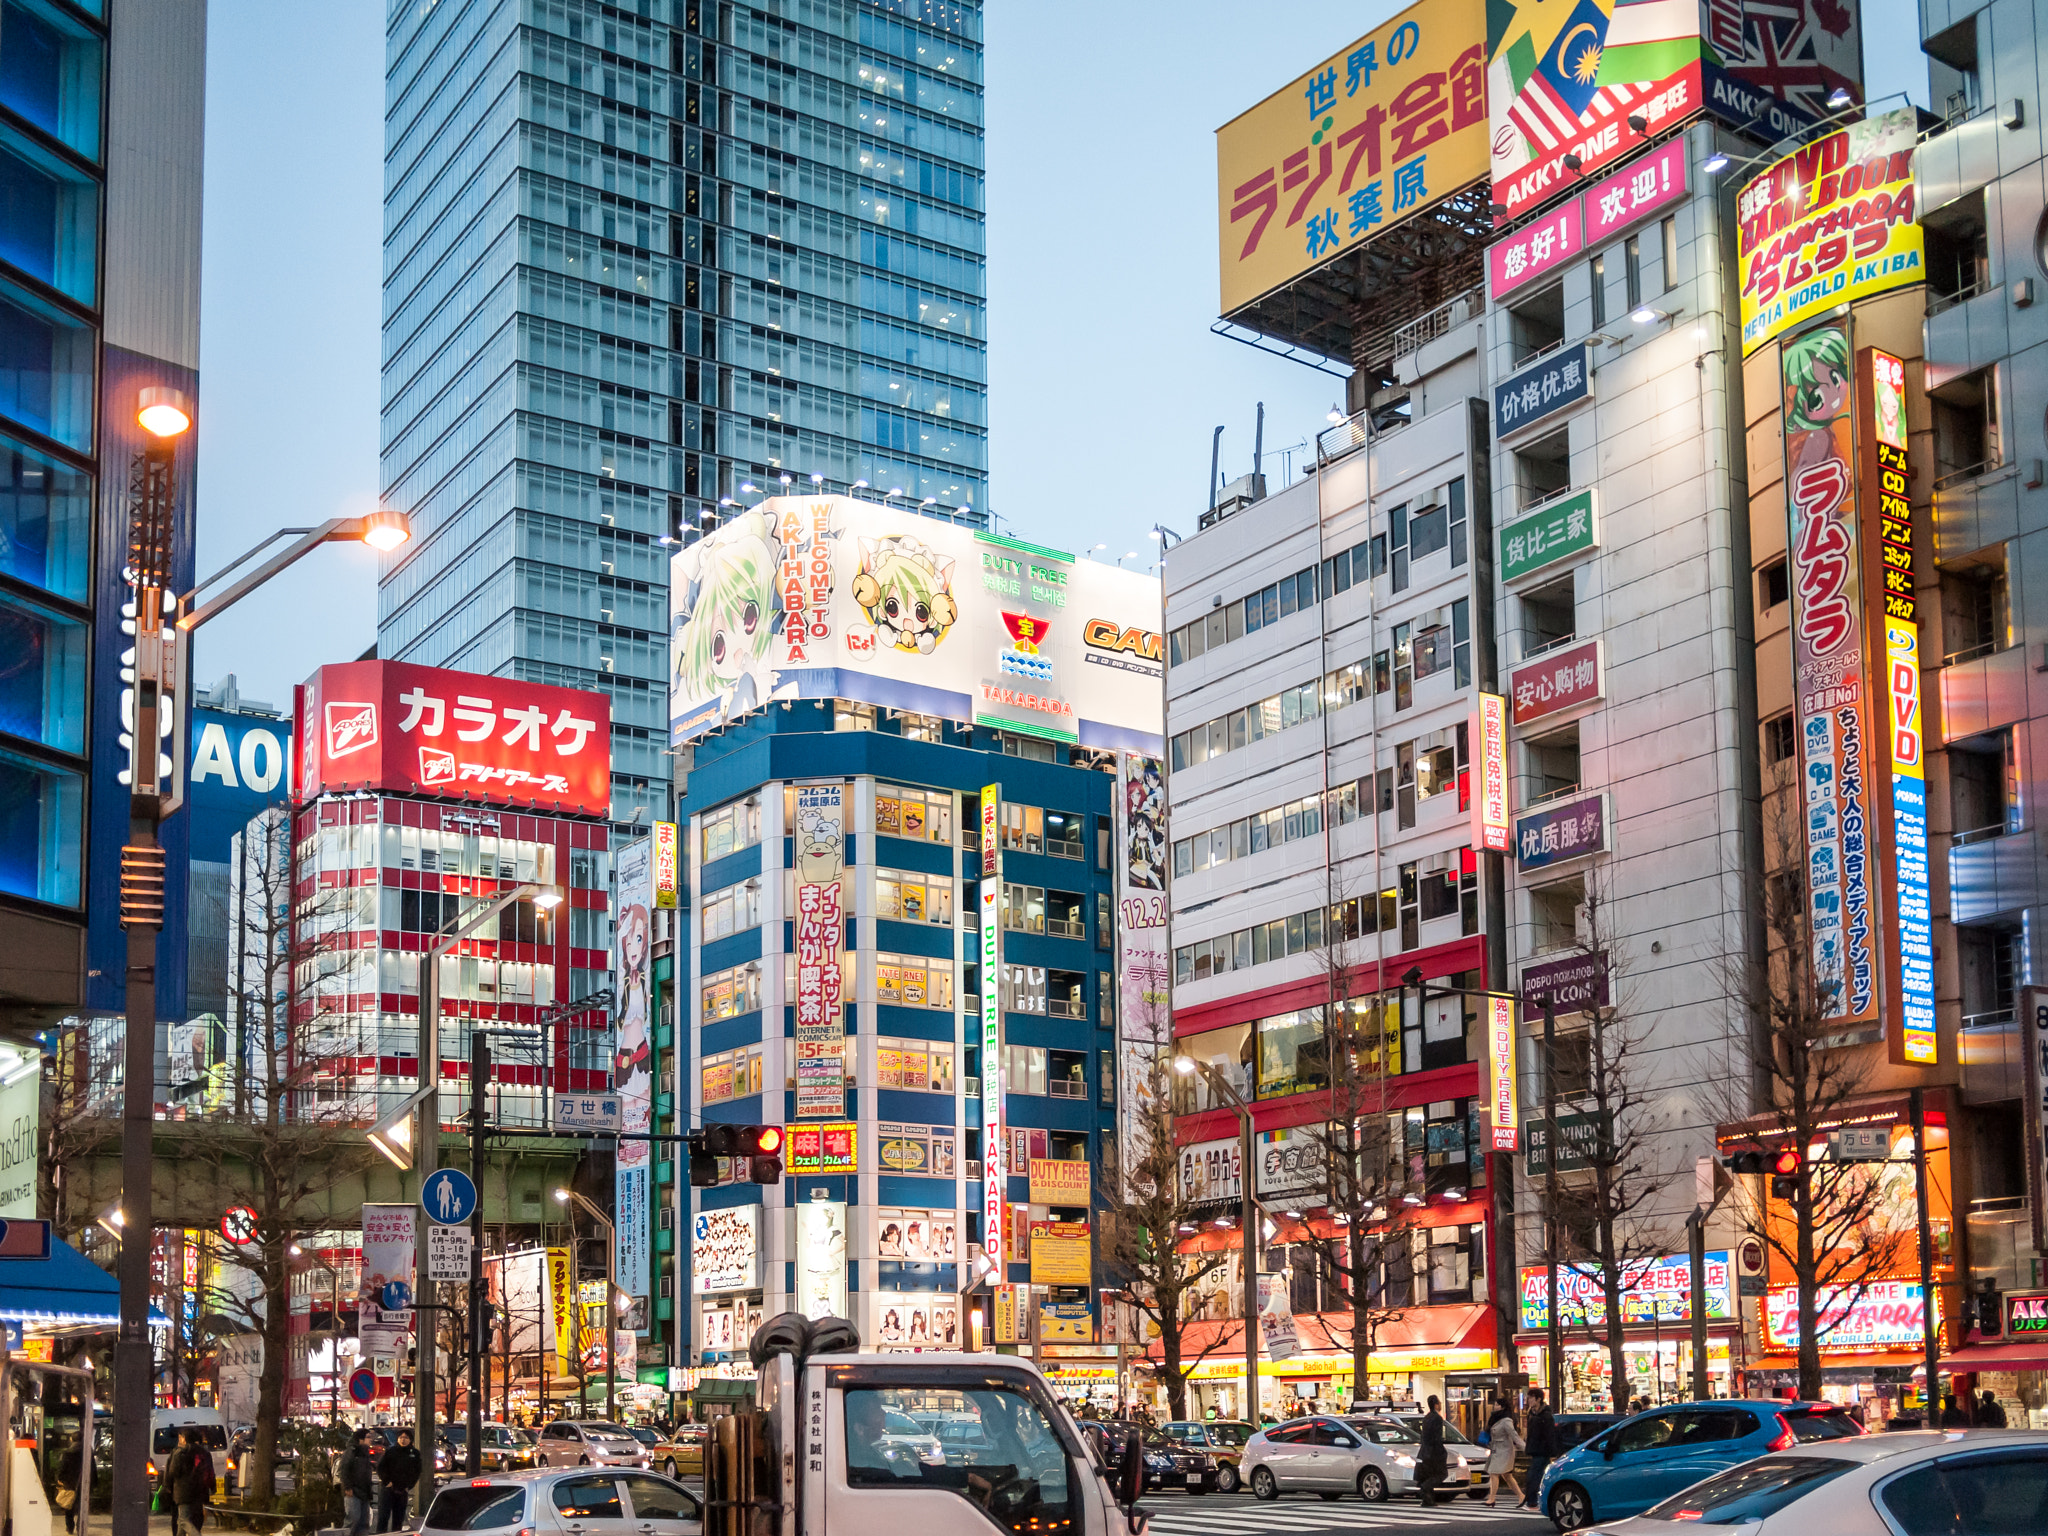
<point x="2032" y="1355"/>
<point x="64" y="1294"/>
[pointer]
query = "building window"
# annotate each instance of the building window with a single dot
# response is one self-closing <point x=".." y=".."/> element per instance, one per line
<point x="45" y="521"/>
<point x="1983" y="780"/>
<point x="1066" y="1074"/>
<point x="1781" y="739"/>
<point x="923" y="1066"/>
<point x="1025" y="1068"/>
<point x="731" y="828"/>
<point x="735" y="909"/>
<point x="52" y="229"/>
<point x="1536" y="323"/>
<point x="1975" y="618"/>
<point x="1032" y="748"/>
<point x="1543" y="469"/>
<point x="849" y="716"/>
<point x="50" y="71"/>
<point x="1773" y="584"/>
<point x="730" y="1075"/>
<point x="42" y="831"/>
<point x="1669" y="229"/>
<point x="921" y="727"/>
<point x="1293" y="1053"/>
<point x="905" y="981"/>
<point x="1023" y="989"/>
<point x="925" y="815"/>
<point x="1397" y="545"/>
<point x="1105" y="1077"/>
<point x="1024" y="908"/>
<point x="1966" y="430"/>
<point x="47" y="383"/>
<point x="1958" y="253"/>
<point x="906" y="897"/>
<point x="42" y="683"/>
<point x="1454" y="496"/>
<point x="1023" y="827"/>
<point x="1065" y="835"/>
<point x="1596" y="275"/>
<point x="1632" y="269"/>
<point x="728" y="994"/>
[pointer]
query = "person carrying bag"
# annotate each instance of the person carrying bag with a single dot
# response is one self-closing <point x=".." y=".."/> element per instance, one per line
<point x="1504" y="1443"/>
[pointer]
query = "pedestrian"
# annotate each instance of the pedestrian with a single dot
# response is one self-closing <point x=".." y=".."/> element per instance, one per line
<point x="1542" y="1442"/>
<point x="1952" y="1416"/>
<point x="1432" y="1461"/>
<point x="398" y="1470"/>
<point x="1503" y="1444"/>
<point x="1990" y="1412"/>
<point x="68" y="1484"/>
<point x="354" y="1476"/>
<point x="188" y="1483"/>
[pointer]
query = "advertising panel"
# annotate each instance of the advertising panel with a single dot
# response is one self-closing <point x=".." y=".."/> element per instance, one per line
<point x="240" y="765"/>
<point x="907" y="612"/>
<point x="1636" y="192"/>
<point x="1557" y="682"/>
<point x="995" y="1130"/>
<point x="455" y="736"/>
<point x="1276" y="1317"/>
<point x="387" y="1261"/>
<point x="1060" y="1181"/>
<point x="1881" y="1314"/>
<point x="1557" y="530"/>
<point x="1490" y="828"/>
<point x="2026" y="1314"/>
<point x="1366" y="140"/>
<point x="2034" y="1104"/>
<point x="1833" y="222"/>
<point x="1059" y="1253"/>
<point x="1541" y="246"/>
<point x="821" y="1258"/>
<point x="907" y="1320"/>
<point x="1066" y="1322"/>
<point x="1292" y="1161"/>
<point x="21" y="1116"/>
<point x="725" y="1248"/>
<point x="1557" y="833"/>
<point x="820" y="838"/>
<point x="1652" y="1291"/>
<point x="823" y="1148"/>
<point x="519" y="1287"/>
<point x="1555" y="383"/>
<point x="1795" y="54"/>
<point x="1578" y="1140"/>
<point x="561" y="1306"/>
<point x="633" y="1065"/>
<point x="1212" y="1170"/>
<point x="1830" y="684"/>
<point x="1884" y="494"/>
<point x="1503" y="1106"/>
<point x="1572" y="984"/>
<point x="667" y="867"/>
<point x="1564" y="79"/>
<point x="1142" y="1000"/>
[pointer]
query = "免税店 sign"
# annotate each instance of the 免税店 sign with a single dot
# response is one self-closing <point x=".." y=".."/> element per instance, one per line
<point x="1490" y="826"/>
<point x="1502" y="1093"/>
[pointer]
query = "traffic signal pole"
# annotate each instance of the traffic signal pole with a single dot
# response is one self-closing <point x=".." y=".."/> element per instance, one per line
<point x="479" y="1309"/>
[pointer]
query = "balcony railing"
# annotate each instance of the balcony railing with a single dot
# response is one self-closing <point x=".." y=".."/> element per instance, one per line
<point x="1982" y="834"/>
<point x="1547" y="647"/>
<point x="1067" y="1088"/>
<point x="1066" y="928"/>
<point x="1066" y="1008"/>
<point x="1968" y="472"/>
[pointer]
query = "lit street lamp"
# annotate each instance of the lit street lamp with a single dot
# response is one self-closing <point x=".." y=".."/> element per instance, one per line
<point x="162" y="659"/>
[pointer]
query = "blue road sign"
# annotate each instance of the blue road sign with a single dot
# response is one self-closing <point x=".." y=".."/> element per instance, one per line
<point x="396" y="1296"/>
<point x="362" y="1385"/>
<point x="448" y="1197"/>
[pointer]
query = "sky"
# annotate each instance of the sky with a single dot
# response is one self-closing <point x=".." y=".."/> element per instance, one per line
<point x="1105" y="381"/>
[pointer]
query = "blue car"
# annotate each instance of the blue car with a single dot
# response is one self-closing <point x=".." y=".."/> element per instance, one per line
<point x="1644" y="1459"/>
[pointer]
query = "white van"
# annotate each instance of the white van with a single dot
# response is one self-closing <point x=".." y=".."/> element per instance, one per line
<point x="164" y="1427"/>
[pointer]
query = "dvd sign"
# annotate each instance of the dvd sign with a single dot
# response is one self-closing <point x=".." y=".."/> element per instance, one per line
<point x="386" y="725"/>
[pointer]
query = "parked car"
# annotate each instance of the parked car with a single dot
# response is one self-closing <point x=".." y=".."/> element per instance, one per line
<point x="673" y="1454"/>
<point x="1113" y="1435"/>
<point x="501" y="1448"/>
<point x="1222" y="1438"/>
<point x="1575" y="1429"/>
<point x="1371" y="1456"/>
<point x="167" y="1424"/>
<point x="1908" y="1483"/>
<point x="1645" y="1459"/>
<point x="589" y="1443"/>
<point x="1170" y="1464"/>
<point x="550" y="1500"/>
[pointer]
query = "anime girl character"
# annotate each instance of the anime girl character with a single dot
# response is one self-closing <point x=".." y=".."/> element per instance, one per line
<point x="726" y="618"/>
<point x="632" y="1060"/>
<point x="906" y="591"/>
<point x="1145" y="813"/>
<point x="1817" y="384"/>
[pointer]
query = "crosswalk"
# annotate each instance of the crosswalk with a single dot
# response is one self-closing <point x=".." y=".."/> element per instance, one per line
<point x="1179" y="1515"/>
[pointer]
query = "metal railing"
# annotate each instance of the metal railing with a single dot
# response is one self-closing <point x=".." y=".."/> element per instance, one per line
<point x="1066" y="928"/>
<point x="1399" y="340"/>
<point x="1938" y="302"/>
<point x="1969" y="653"/>
<point x="1547" y="647"/>
<point x="1996" y="1018"/>
<point x="1968" y="472"/>
<point x="1980" y="834"/>
<point x="1062" y="1008"/>
<point x="1067" y="1088"/>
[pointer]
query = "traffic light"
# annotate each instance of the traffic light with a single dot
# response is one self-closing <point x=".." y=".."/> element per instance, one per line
<point x="1750" y="1160"/>
<point x="1785" y="1175"/>
<point x="1990" y="1309"/>
<point x="760" y="1146"/>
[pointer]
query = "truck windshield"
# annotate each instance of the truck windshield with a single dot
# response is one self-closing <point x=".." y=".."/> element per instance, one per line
<point x="1000" y="1450"/>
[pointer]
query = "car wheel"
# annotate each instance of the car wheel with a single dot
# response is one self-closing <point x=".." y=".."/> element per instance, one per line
<point x="1570" y="1507"/>
<point x="1372" y="1486"/>
<point x="1264" y="1486"/>
<point x="582" y="1461"/>
<point x="669" y="1466"/>
<point x="1226" y="1479"/>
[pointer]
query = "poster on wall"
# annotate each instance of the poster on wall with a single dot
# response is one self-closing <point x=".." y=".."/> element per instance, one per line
<point x="820" y="840"/>
<point x="821" y="1258"/>
<point x="914" y="1320"/>
<point x="1143" y="1001"/>
<point x="995" y="1159"/>
<point x="633" y="1063"/>
<point x="816" y="597"/>
<point x="725" y="1248"/>
<point x="1830" y="679"/>
<point x="917" y="1237"/>
<point x="561" y="1307"/>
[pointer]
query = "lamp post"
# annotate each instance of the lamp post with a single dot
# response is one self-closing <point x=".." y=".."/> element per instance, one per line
<point x="611" y="1293"/>
<point x="1247" y="1217"/>
<point x="162" y="656"/>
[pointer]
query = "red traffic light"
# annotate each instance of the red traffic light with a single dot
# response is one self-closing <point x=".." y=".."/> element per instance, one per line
<point x="1786" y="1161"/>
<point x="768" y="1141"/>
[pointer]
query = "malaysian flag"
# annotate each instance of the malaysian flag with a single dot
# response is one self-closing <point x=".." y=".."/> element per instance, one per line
<point x="1562" y="89"/>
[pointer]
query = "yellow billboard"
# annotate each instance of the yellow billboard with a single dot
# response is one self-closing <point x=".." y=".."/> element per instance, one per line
<point x="1832" y="222"/>
<point x="1366" y="140"/>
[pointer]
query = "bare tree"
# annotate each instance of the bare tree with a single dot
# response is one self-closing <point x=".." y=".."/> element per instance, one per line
<point x="1610" y="1203"/>
<point x="1151" y="1209"/>
<point x="1833" y="1234"/>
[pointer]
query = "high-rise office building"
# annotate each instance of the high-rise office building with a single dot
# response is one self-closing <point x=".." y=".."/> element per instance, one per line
<point x="641" y="260"/>
<point x="100" y="158"/>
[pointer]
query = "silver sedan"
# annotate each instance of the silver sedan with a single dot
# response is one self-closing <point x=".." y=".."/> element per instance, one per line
<point x="1371" y="1457"/>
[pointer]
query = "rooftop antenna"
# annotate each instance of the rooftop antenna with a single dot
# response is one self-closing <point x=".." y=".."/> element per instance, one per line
<point x="1259" y="444"/>
<point x="1215" y="449"/>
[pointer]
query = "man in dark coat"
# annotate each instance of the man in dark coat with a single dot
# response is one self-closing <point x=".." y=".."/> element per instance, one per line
<point x="1542" y="1439"/>
<point x="355" y="1476"/>
<point x="188" y="1483"/>
<point x="398" y="1469"/>
<point x="1431" y="1459"/>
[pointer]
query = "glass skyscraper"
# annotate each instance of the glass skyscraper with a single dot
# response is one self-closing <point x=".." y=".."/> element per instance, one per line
<point x="644" y="264"/>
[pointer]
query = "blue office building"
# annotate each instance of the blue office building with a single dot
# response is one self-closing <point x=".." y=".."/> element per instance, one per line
<point x="642" y="259"/>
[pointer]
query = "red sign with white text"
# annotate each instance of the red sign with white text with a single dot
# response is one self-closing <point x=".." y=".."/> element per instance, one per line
<point x="454" y="735"/>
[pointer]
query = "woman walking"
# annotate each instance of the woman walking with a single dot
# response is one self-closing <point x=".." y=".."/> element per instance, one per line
<point x="1504" y="1444"/>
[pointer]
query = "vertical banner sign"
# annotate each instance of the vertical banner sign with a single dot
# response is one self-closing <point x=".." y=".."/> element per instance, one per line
<point x="1145" y="1022"/>
<point x="667" y="866"/>
<point x="1490" y="827"/>
<point x="821" y="1258"/>
<point x="561" y="1301"/>
<point x="820" y="835"/>
<point x="1833" y="700"/>
<point x="2034" y="1108"/>
<point x="633" y="1066"/>
<point x="1502" y="1106"/>
<point x="387" y="1261"/>
<point x="994" y="1128"/>
<point x="1885" y="492"/>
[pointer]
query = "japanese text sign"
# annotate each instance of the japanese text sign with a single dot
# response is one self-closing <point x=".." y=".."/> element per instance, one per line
<point x="1503" y="1115"/>
<point x="2026" y="1314"/>
<point x="1490" y="828"/>
<point x="1830" y="687"/>
<point x="1212" y="1170"/>
<point x="1553" y="834"/>
<point x="2034" y="1103"/>
<point x="994" y="1175"/>
<point x="1831" y="223"/>
<point x="456" y="736"/>
<point x="1367" y="139"/>
<point x="667" y="867"/>
<point x="1556" y="682"/>
<point x="824" y="1148"/>
<point x="820" y="841"/>
<point x="1652" y="1291"/>
<point x="1880" y="1314"/>
<point x="1559" y="380"/>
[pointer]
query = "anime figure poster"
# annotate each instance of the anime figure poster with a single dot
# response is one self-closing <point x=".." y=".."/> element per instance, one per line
<point x="820" y="837"/>
<point x="633" y="1062"/>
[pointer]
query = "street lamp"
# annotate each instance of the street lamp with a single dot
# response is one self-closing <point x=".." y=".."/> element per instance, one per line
<point x="162" y="659"/>
<point x="611" y="1292"/>
<point x="1220" y="1085"/>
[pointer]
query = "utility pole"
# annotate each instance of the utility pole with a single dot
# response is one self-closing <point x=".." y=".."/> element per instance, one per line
<point x="479" y="1310"/>
<point x="427" y="1142"/>
<point x="1553" y="1350"/>
<point x="1930" y="1345"/>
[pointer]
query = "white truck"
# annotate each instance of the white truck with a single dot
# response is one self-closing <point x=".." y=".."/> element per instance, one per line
<point x="855" y="1444"/>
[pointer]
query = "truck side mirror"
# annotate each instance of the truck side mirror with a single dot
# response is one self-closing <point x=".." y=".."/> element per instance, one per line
<point x="1130" y="1481"/>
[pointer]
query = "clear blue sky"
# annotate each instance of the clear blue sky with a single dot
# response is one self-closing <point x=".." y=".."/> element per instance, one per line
<point x="1104" y="379"/>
